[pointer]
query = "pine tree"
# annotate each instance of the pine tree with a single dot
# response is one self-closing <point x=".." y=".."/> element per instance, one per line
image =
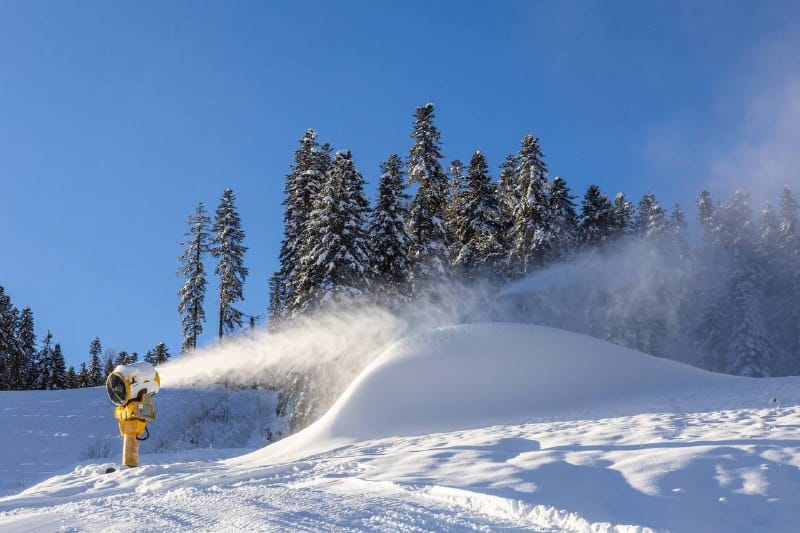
<point x="82" y="379"/>
<point x="276" y="308"/>
<point x="72" y="378"/>
<point x="775" y="284"/>
<point x="58" y="379"/>
<point x="96" y="376"/>
<point x="597" y="218"/>
<point x="21" y="359"/>
<point x="193" y="292"/>
<point x="748" y="348"/>
<point x="132" y="358"/>
<point x="706" y="212"/>
<point x="122" y="358"/>
<point x="678" y="231"/>
<point x="336" y="266"/>
<point x="8" y="345"/>
<point x="508" y="198"/>
<point x="426" y="215"/>
<point x="227" y="248"/>
<point x="477" y="223"/>
<point x="651" y="218"/>
<point x="711" y="298"/>
<point x="388" y="236"/>
<point x="789" y="225"/>
<point x="457" y="186"/>
<point x="622" y="217"/>
<point x="159" y="354"/>
<point x="527" y="252"/>
<point x="560" y="221"/>
<point x="303" y="183"/>
<point x="789" y="257"/>
<point x="44" y="365"/>
<point x="108" y="363"/>
<point x="769" y="233"/>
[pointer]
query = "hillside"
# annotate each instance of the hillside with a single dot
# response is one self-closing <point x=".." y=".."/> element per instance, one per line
<point x="488" y="427"/>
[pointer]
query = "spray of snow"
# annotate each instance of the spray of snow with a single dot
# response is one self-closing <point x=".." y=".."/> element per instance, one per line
<point x="351" y="337"/>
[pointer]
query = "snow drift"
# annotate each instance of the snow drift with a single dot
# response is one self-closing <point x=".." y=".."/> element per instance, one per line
<point x="477" y="375"/>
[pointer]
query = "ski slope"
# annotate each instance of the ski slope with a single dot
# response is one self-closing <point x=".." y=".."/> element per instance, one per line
<point x="492" y="427"/>
<point x="48" y="432"/>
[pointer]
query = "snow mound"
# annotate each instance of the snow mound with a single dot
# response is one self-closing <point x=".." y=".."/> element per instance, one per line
<point x="478" y="375"/>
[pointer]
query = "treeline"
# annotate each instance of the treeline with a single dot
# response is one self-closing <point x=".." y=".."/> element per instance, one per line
<point x="26" y="365"/>
<point x="429" y="225"/>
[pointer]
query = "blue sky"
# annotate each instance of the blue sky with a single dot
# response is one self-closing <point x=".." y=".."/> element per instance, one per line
<point x="117" y="118"/>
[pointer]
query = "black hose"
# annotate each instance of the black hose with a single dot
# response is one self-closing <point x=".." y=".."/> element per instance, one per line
<point x="148" y="434"/>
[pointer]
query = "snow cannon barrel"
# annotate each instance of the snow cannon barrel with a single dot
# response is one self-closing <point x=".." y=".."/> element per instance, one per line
<point x="131" y="389"/>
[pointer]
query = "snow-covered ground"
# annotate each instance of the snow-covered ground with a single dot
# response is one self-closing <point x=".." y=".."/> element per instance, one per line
<point x="48" y="432"/>
<point x="479" y="427"/>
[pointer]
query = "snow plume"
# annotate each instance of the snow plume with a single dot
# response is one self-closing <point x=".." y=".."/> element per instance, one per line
<point x="633" y="294"/>
<point x="327" y="350"/>
<point x="350" y="336"/>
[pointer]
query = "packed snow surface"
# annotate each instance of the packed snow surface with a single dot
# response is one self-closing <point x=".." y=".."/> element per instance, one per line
<point x="480" y="427"/>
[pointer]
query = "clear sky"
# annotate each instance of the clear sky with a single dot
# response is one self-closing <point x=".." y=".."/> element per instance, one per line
<point x="116" y="118"/>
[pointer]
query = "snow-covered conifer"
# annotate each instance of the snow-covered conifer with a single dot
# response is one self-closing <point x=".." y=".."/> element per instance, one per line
<point x="678" y="231"/>
<point x="72" y="378"/>
<point x="651" y="217"/>
<point x="23" y="352"/>
<point x="508" y="197"/>
<point x="311" y="163"/>
<point x="158" y="355"/>
<point x="561" y="220"/>
<point x="768" y="232"/>
<point x="623" y="217"/>
<point x="275" y="307"/>
<point x="96" y="376"/>
<point x="82" y="378"/>
<point x="526" y="252"/>
<point x="123" y="357"/>
<point x="749" y="351"/>
<point x="227" y="248"/>
<point x="596" y="219"/>
<point x="58" y="379"/>
<point x="336" y="266"/>
<point x="43" y="365"/>
<point x="706" y="213"/>
<point x="192" y="294"/>
<point x="108" y="362"/>
<point x="789" y="225"/>
<point x="457" y="185"/>
<point x="789" y="254"/>
<point x="476" y="225"/>
<point x="389" y="240"/>
<point x="426" y="223"/>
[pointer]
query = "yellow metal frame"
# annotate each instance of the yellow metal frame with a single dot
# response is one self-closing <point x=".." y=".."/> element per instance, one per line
<point x="131" y="422"/>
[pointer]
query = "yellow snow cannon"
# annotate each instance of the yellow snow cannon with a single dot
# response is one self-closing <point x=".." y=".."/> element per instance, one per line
<point x="131" y="388"/>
